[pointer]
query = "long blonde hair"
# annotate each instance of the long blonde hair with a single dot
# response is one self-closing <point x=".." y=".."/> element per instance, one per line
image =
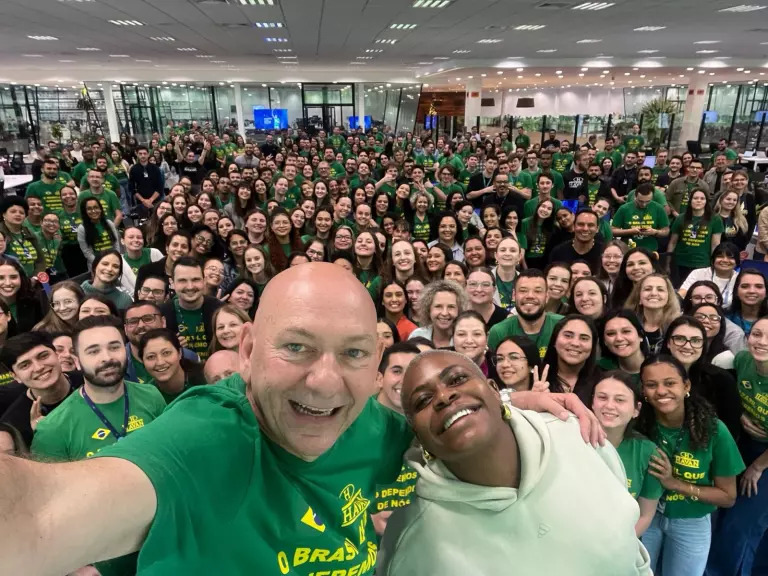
<point x="671" y="308"/>
<point x="739" y="220"/>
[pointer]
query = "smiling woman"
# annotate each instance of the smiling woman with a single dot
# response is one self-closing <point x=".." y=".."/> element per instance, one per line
<point x="106" y="270"/>
<point x="488" y="466"/>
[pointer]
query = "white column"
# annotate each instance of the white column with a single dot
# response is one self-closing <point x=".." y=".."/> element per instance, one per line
<point x="360" y="107"/>
<point x="472" y="102"/>
<point x="239" y="110"/>
<point x="695" y="104"/>
<point x="112" y="123"/>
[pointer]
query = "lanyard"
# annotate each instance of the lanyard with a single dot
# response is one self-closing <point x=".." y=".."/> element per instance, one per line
<point x="103" y="418"/>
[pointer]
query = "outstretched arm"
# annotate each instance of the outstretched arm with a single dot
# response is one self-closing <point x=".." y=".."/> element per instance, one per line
<point x="55" y="518"/>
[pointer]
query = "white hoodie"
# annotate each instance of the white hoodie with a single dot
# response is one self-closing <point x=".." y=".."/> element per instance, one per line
<point x="571" y="516"/>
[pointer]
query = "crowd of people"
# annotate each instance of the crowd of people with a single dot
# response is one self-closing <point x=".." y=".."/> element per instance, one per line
<point x="130" y="274"/>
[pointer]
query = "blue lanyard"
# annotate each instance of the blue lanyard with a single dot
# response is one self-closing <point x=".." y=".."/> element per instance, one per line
<point x="103" y="418"/>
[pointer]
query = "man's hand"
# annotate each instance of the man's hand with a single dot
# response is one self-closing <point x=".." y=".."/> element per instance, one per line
<point x="36" y="413"/>
<point x="751" y="428"/>
<point x="560" y="405"/>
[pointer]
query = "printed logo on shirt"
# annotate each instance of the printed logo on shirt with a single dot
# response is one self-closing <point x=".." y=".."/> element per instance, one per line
<point x="312" y="520"/>
<point x="356" y="504"/>
<point x="134" y="423"/>
<point x="100" y="434"/>
<point x="686" y="459"/>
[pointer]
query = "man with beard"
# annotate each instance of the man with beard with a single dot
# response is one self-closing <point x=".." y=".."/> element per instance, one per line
<point x="624" y="178"/>
<point x="34" y="363"/>
<point x="106" y="408"/>
<point x="584" y="245"/>
<point x="530" y="297"/>
<point x="47" y="188"/>
<point x="596" y="188"/>
<point x="190" y="314"/>
<point x="645" y="175"/>
<point x="576" y="178"/>
<point x="139" y="318"/>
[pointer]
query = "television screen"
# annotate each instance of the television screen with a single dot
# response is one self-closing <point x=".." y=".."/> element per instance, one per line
<point x="710" y="116"/>
<point x="761" y="116"/>
<point x="266" y="119"/>
<point x="430" y="122"/>
<point x="353" y="122"/>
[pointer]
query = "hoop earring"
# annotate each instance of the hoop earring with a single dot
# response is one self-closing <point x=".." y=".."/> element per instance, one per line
<point x="688" y="394"/>
<point x="506" y="412"/>
<point x="427" y="456"/>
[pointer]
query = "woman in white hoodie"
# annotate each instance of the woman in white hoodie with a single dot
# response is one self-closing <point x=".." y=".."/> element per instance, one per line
<point x="504" y="490"/>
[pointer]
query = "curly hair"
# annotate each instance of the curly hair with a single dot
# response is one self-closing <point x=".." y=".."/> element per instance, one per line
<point x="431" y="290"/>
<point x="700" y="419"/>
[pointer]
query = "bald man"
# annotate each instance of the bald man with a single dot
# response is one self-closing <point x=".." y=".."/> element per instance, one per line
<point x="220" y="365"/>
<point x="271" y="472"/>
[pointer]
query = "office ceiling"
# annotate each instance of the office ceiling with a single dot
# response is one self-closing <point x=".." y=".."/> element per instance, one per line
<point x="367" y="40"/>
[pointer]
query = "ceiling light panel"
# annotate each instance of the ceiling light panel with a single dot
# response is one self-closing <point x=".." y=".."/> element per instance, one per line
<point x="187" y="49"/>
<point x="743" y="8"/>
<point x="462" y="51"/>
<point x="707" y="42"/>
<point x="593" y="6"/>
<point x="490" y="41"/>
<point x="275" y="39"/>
<point x="431" y="3"/>
<point x="279" y="50"/>
<point x="163" y="38"/>
<point x="402" y="26"/>
<point x="647" y="51"/>
<point x="374" y="50"/>
<point x="257" y="2"/>
<point x="89" y="49"/>
<point x="386" y="41"/>
<point x="126" y="22"/>
<point x="649" y="28"/>
<point x="530" y="27"/>
<point x="268" y="24"/>
<point x="42" y="37"/>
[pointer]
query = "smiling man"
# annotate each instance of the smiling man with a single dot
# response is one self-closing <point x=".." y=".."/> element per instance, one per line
<point x="276" y="480"/>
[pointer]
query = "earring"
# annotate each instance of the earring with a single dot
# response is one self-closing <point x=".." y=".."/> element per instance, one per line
<point x="427" y="455"/>
<point x="506" y="412"/>
<point x="688" y="394"/>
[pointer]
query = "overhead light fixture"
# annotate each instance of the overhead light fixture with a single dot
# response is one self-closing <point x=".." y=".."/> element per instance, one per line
<point x="441" y="58"/>
<point x="126" y="22"/>
<point x="275" y="39"/>
<point x="490" y="41"/>
<point x="530" y="27"/>
<point x="66" y="61"/>
<point x="119" y="56"/>
<point x="33" y="37"/>
<point x="257" y="2"/>
<point x="547" y="51"/>
<point x="647" y="51"/>
<point x="89" y="49"/>
<point x="162" y="38"/>
<point x="268" y="24"/>
<point x="649" y="28"/>
<point x="593" y="6"/>
<point x="689" y="69"/>
<point x="187" y="49"/>
<point x="743" y="8"/>
<point x="462" y="51"/>
<point x="707" y="51"/>
<point x="589" y="41"/>
<point x="32" y="55"/>
<point x="143" y="61"/>
<point x="218" y="61"/>
<point x="386" y="41"/>
<point x="278" y="50"/>
<point x="359" y="57"/>
<point x="431" y="3"/>
<point x="203" y="56"/>
<point x="707" y="42"/>
<point x="374" y="50"/>
<point x="402" y="26"/>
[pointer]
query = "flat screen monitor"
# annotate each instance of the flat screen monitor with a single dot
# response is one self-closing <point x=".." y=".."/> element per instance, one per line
<point x="650" y="161"/>
<point x="430" y="123"/>
<point x="710" y="116"/>
<point x="761" y="116"/>
<point x="266" y="119"/>
<point x="353" y="122"/>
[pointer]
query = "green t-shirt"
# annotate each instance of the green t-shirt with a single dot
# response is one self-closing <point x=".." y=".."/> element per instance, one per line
<point x="522" y="141"/>
<point x="753" y="389"/>
<point x="337" y="170"/>
<point x="79" y="172"/>
<point x="511" y="327"/>
<point x="697" y="466"/>
<point x="605" y="230"/>
<point x="36" y="229"/>
<point x="192" y="327"/>
<point x="635" y="453"/>
<point x="529" y="208"/>
<point x="464" y="177"/>
<point x="108" y="199"/>
<point x="142" y="374"/>
<point x="593" y="188"/>
<point x="48" y="194"/>
<point x="658" y="196"/>
<point x="420" y="229"/>
<point x="562" y="162"/>
<point x="103" y="239"/>
<point x="689" y="186"/>
<point x="24" y="250"/>
<point x="652" y="216"/>
<point x="506" y="293"/>
<point x="558" y="185"/>
<point x="136" y="263"/>
<point x="633" y="142"/>
<point x="522" y="180"/>
<point x="74" y="431"/>
<point x="539" y="246"/>
<point x="694" y="244"/>
<point x="372" y="283"/>
<point x="68" y="223"/>
<point x="110" y="183"/>
<point x="614" y="155"/>
<point x="51" y="249"/>
<point x="397" y="494"/>
<point x="247" y="503"/>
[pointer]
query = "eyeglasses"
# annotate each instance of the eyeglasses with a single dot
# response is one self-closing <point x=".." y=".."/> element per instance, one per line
<point x="696" y="342"/>
<point x="512" y="357"/>
<point x="707" y="317"/>
<point x="93" y="209"/>
<point x="709" y="299"/>
<point x="213" y="270"/>
<point x="146" y="319"/>
<point x="157" y="292"/>
<point x="479" y="284"/>
<point x="343" y="237"/>
<point x="204" y="240"/>
<point x="63" y="303"/>
<point x="315" y="253"/>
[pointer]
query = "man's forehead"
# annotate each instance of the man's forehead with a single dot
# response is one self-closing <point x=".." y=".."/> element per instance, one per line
<point x="34" y="352"/>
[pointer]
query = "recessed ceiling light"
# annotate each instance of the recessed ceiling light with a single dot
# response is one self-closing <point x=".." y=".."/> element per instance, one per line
<point x="530" y="27"/>
<point x="268" y="24"/>
<point x="386" y="41"/>
<point x="275" y="39"/>
<point x="627" y="73"/>
<point x="43" y="37"/>
<point x="589" y="41"/>
<point x="89" y="49"/>
<point x="593" y="6"/>
<point x="490" y="41"/>
<point x="282" y="50"/>
<point x="187" y="49"/>
<point x="32" y="55"/>
<point x="538" y="74"/>
<point x="126" y="22"/>
<point x="707" y="51"/>
<point x="374" y="51"/>
<point x="402" y="26"/>
<point x="689" y="69"/>
<point x="431" y="3"/>
<point x="483" y="75"/>
<point x="500" y="72"/>
<point x="359" y="57"/>
<point x="66" y="61"/>
<point x="162" y="38"/>
<point x="257" y="2"/>
<point x="143" y="61"/>
<point x="218" y="61"/>
<point x="743" y="8"/>
<point x="647" y="51"/>
<point x="547" y="51"/>
<point x="203" y="56"/>
<point x="462" y="51"/>
<point x="701" y="71"/>
<point x="707" y="42"/>
<point x="649" y="28"/>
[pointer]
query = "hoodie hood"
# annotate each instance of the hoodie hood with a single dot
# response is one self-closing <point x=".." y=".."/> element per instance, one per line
<point x="437" y="483"/>
<point x="108" y="291"/>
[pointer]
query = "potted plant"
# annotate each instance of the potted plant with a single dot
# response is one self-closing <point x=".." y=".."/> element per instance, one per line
<point x="656" y="114"/>
<point x="57" y="132"/>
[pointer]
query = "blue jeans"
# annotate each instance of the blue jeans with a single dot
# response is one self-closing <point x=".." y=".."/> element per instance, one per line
<point x="682" y="543"/>
<point x="736" y="549"/>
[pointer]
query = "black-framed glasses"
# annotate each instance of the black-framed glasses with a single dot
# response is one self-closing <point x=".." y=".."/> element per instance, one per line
<point x="707" y="317"/>
<point x="145" y="318"/>
<point x="157" y="292"/>
<point x="679" y="340"/>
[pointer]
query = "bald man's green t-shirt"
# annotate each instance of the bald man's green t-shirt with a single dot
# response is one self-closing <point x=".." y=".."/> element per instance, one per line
<point x="231" y="501"/>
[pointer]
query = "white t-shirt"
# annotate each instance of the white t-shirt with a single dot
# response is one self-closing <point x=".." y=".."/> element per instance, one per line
<point x="724" y="284"/>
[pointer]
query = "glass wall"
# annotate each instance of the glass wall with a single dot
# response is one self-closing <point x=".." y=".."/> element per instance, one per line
<point x="719" y="114"/>
<point x="393" y="105"/>
<point x="732" y="114"/>
<point x="15" y="128"/>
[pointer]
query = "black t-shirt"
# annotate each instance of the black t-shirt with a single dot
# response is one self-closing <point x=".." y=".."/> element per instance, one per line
<point x="478" y="182"/>
<point x="192" y="170"/>
<point x="17" y="414"/>
<point x="565" y="252"/>
<point x="575" y="185"/>
<point x="551" y="142"/>
<point x="8" y="395"/>
<point x="499" y="314"/>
